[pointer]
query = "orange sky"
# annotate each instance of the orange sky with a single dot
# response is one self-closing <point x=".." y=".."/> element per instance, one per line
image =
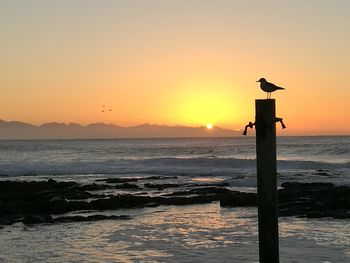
<point x="176" y="62"/>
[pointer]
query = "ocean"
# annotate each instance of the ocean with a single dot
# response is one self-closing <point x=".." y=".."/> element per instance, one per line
<point x="194" y="233"/>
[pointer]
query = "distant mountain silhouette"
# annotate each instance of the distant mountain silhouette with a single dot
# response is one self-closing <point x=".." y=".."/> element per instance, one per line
<point x="55" y="130"/>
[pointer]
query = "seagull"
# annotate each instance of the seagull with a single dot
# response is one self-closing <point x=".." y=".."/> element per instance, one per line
<point x="268" y="87"/>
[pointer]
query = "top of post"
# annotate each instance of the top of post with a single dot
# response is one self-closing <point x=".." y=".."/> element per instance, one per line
<point x="266" y="102"/>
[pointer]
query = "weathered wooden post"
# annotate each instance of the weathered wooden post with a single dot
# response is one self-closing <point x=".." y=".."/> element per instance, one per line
<point x="265" y="125"/>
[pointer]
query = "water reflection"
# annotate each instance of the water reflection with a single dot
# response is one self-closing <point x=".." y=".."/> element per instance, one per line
<point x="198" y="233"/>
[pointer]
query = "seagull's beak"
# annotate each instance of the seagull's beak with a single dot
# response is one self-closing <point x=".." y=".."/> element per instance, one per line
<point x="258" y="81"/>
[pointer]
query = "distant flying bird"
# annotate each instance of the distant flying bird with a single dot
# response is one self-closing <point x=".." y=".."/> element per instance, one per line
<point x="268" y="87"/>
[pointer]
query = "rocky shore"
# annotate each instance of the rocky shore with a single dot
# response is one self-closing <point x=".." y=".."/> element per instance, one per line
<point x="33" y="202"/>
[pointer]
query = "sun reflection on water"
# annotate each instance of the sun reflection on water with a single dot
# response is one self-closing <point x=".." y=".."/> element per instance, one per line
<point x="197" y="233"/>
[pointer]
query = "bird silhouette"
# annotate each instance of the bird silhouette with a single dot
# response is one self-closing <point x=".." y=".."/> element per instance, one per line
<point x="268" y="87"/>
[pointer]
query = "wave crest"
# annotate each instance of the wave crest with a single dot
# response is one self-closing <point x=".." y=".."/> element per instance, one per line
<point x="164" y="166"/>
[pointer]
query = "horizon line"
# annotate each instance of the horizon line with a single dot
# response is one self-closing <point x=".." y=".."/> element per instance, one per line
<point x="117" y="125"/>
<point x="312" y="133"/>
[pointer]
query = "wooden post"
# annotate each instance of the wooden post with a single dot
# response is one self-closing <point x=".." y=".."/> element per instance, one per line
<point x="265" y="125"/>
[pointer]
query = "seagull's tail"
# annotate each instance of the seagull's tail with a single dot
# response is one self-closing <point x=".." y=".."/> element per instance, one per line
<point x="280" y="88"/>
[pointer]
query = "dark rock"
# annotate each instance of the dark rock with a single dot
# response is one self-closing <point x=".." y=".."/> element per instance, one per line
<point x="209" y="190"/>
<point x="120" y="180"/>
<point x="58" y="206"/>
<point x="4" y="221"/>
<point x="37" y="219"/>
<point x="127" y="186"/>
<point x="20" y="207"/>
<point x="161" y="186"/>
<point x="238" y="199"/>
<point x="77" y="195"/>
<point x="94" y="187"/>
<point x="186" y="200"/>
<point x="105" y="204"/>
<point x="65" y="219"/>
<point x="62" y="206"/>
<point x="29" y="201"/>
<point x="314" y="200"/>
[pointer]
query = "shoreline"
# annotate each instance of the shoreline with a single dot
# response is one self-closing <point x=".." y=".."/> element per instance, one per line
<point x="35" y="202"/>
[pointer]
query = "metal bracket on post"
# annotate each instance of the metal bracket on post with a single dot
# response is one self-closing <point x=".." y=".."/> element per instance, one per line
<point x="249" y="125"/>
<point x="281" y="121"/>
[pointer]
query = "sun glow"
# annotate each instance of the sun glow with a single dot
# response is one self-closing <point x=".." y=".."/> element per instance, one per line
<point x="205" y="101"/>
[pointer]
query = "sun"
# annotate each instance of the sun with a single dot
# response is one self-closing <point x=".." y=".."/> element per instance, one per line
<point x="209" y="126"/>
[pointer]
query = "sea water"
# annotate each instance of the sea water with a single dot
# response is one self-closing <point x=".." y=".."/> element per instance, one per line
<point x="193" y="156"/>
<point x="196" y="233"/>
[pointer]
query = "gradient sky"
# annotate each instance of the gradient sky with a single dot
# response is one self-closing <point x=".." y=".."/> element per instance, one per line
<point x="181" y="62"/>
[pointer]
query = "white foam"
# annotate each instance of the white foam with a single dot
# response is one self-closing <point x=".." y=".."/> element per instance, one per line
<point x="166" y="166"/>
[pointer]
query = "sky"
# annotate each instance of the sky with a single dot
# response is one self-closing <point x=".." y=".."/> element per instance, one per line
<point x="183" y="62"/>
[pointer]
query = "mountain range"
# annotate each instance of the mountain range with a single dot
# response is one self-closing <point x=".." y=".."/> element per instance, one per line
<point x="55" y="130"/>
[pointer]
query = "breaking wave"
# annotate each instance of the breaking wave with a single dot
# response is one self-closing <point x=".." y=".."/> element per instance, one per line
<point x="161" y="166"/>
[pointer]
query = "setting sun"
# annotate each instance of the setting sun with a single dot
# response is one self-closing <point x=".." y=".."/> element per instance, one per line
<point x="205" y="100"/>
<point x="209" y="126"/>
